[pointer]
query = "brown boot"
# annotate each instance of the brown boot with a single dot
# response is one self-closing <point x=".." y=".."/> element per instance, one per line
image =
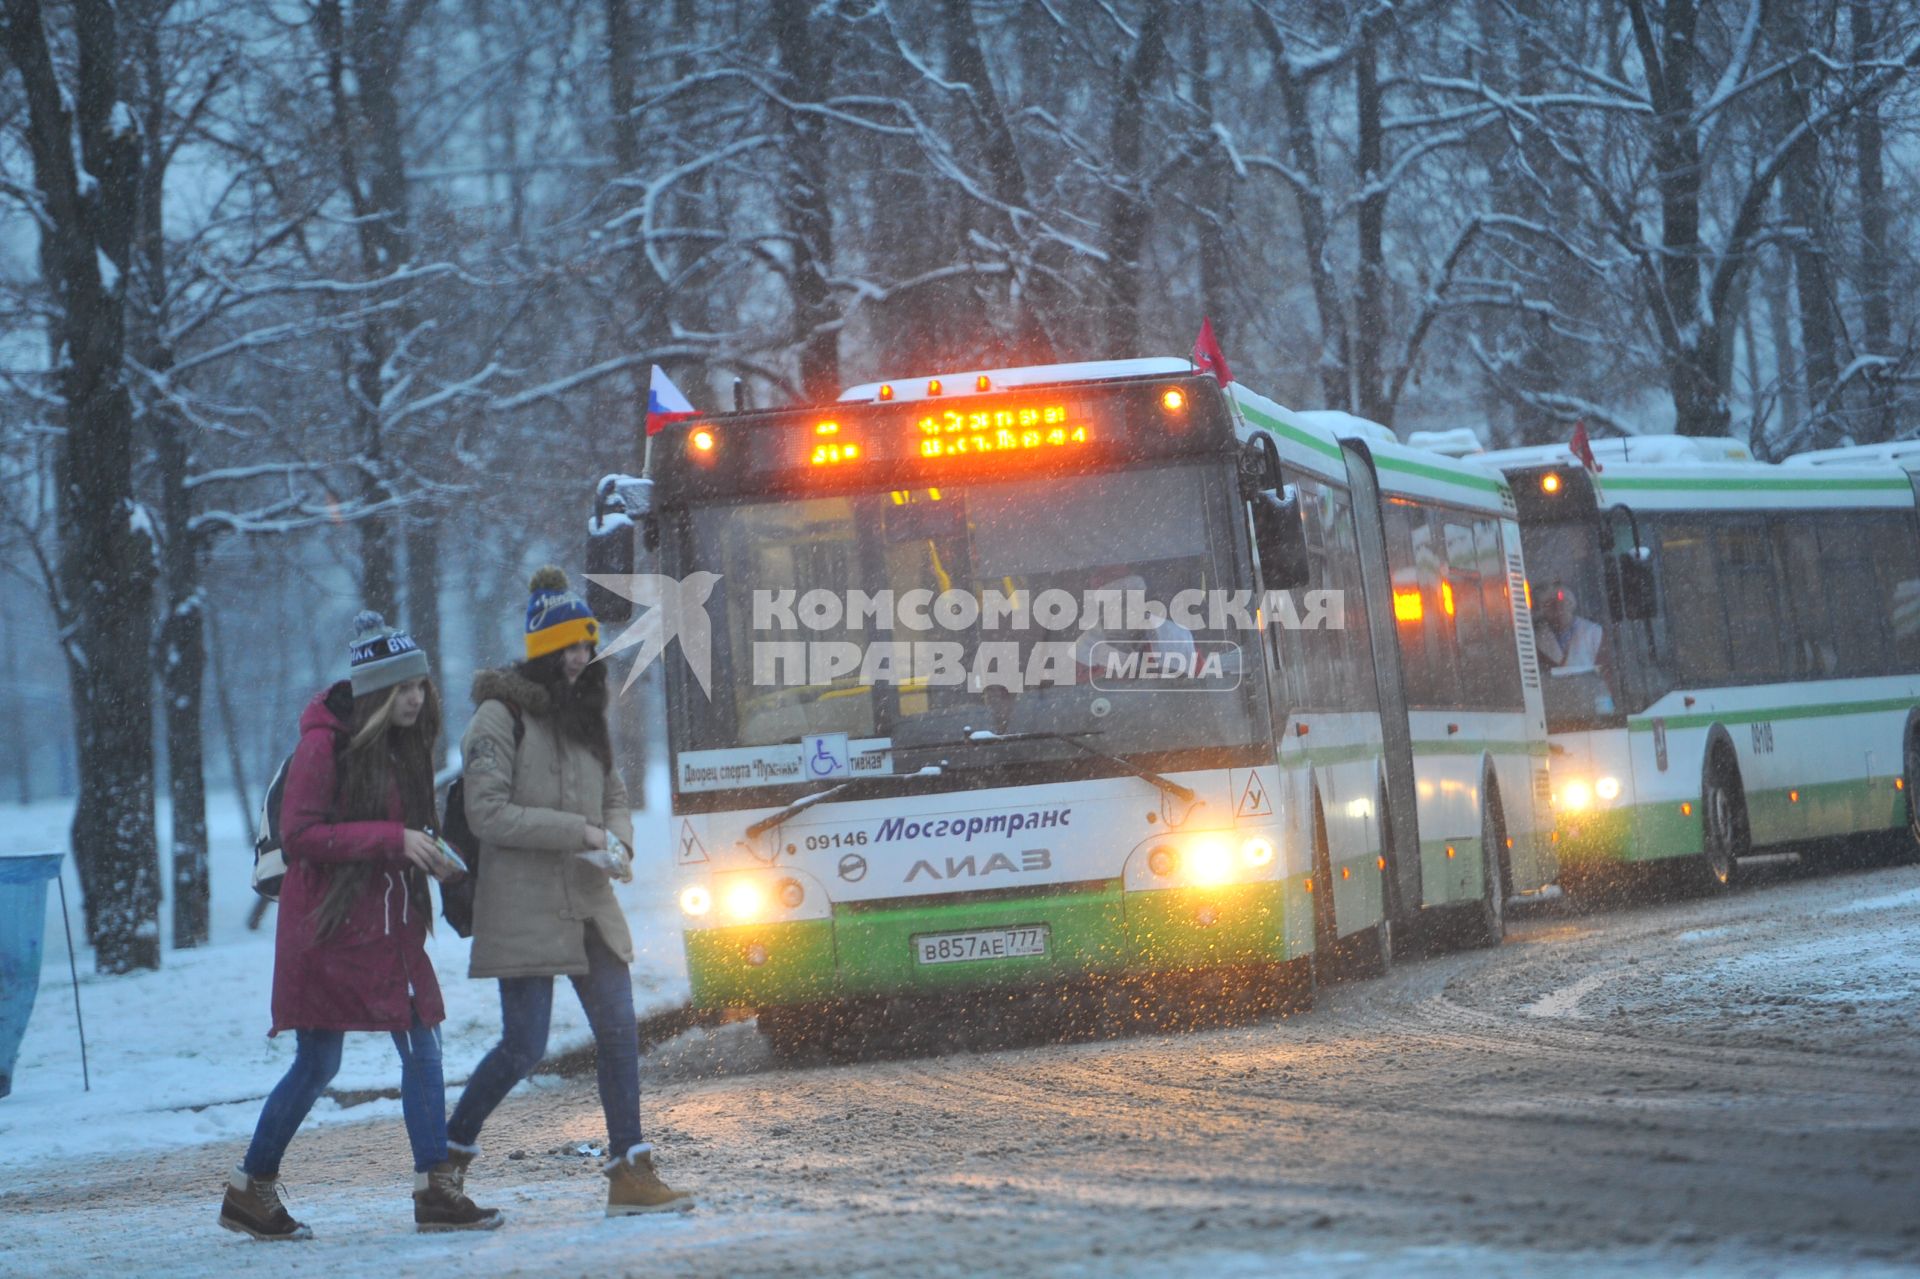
<point x="634" y="1187"/>
<point x="439" y="1203"/>
<point x="460" y="1158"/>
<point x="254" y="1206"/>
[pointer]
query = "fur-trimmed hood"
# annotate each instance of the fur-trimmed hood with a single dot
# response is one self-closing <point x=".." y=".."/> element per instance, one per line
<point x="509" y="685"/>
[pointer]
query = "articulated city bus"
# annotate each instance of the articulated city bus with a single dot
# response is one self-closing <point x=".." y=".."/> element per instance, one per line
<point x="1731" y="648"/>
<point x="1046" y="674"/>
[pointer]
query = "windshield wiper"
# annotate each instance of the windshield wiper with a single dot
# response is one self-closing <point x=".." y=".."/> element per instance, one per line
<point x="977" y="735"/>
<point x="805" y="802"/>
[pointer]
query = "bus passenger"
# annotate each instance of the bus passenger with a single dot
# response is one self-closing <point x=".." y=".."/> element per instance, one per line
<point x="1565" y="640"/>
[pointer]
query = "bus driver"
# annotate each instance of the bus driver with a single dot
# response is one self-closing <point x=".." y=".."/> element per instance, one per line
<point x="1566" y="641"/>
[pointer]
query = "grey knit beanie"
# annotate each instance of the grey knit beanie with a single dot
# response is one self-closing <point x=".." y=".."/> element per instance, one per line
<point x="381" y="655"/>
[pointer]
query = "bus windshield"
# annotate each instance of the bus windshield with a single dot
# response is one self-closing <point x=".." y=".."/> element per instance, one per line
<point x="794" y="657"/>
<point x="1578" y="662"/>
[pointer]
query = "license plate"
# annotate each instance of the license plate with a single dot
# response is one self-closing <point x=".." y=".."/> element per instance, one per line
<point x="1026" y="941"/>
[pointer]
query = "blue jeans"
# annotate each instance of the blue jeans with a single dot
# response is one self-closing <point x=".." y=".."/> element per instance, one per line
<point x="526" y="1010"/>
<point x="316" y="1060"/>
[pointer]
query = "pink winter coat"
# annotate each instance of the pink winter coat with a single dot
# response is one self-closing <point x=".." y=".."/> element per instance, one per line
<point x="372" y="971"/>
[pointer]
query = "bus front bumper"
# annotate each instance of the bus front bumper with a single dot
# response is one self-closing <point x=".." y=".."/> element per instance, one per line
<point x="871" y="950"/>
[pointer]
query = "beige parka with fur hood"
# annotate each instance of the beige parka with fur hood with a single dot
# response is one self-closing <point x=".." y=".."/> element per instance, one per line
<point x="530" y="806"/>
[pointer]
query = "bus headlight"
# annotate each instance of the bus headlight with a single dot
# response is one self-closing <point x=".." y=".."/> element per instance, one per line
<point x="745" y="899"/>
<point x="1257" y="852"/>
<point x="1209" y="861"/>
<point x="791" y="894"/>
<point x="695" y="900"/>
<point x="1607" y="788"/>
<point x="1576" y="796"/>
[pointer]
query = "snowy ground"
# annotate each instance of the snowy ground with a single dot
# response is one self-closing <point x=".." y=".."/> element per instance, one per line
<point x="182" y="1055"/>
<point x="1660" y="1089"/>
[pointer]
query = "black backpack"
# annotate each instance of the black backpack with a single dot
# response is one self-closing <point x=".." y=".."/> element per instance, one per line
<point x="456" y="899"/>
<point x="269" y="857"/>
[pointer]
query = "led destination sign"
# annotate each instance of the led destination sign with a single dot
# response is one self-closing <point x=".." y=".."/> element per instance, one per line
<point x="959" y="432"/>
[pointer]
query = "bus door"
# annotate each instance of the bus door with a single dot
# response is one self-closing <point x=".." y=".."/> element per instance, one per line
<point x="1400" y="821"/>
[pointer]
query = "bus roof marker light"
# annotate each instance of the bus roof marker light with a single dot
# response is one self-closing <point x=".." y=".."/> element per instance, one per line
<point x="702" y="440"/>
<point x="886" y="390"/>
<point x="983" y="383"/>
<point x="1550" y="483"/>
<point x="933" y="386"/>
<point x="1173" y="399"/>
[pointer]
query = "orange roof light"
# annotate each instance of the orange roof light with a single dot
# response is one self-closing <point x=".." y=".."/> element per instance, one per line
<point x="1173" y="399"/>
<point x="886" y="390"/>
<point x="982" y="383"/>
<point x="1446" y="596"/>
<point x="1550" y="483"/>
<point x="1407" y="606"/>
<point x="703" y="440"/>
<point x="933" y="386"/>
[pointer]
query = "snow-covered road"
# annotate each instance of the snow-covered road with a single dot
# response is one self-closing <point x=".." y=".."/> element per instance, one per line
<point x="1731" y="1085"/>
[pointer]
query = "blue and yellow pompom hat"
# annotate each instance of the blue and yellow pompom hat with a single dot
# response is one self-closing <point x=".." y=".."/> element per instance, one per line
<point x="556" y="617"/>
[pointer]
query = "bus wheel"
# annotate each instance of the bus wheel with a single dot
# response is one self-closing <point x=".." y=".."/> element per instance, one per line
<point x="1490" y="920"/>
<point x="1723" y="822"/>
<point x="1910" y="846"/>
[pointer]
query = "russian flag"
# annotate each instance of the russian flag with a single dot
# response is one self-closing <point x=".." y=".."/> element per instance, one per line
<point x="665" y="404"/>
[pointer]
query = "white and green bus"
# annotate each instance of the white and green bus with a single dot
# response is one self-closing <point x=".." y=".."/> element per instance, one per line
<point x="950" y="739"/>
<point x="1731" y="648"/>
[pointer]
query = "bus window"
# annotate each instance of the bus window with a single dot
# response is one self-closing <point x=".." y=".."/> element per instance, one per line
<point x="1694" y="612"/>
<point x="1897" y="571"/>
<point x="1753" y="599"/>
<point x="1500" y="670"/>
<point x="1460" y="599"/>
<point x="1353" y="641"/>
<point x="1807" y="628"/>
<point x="1860" y="615"/>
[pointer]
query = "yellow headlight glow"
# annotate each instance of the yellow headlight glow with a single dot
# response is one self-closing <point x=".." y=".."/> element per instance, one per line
<point x="1257" y="852"/>
<point x="1607" y="788"/>
<point x="745" y="899"/>
<point x="1209" y="862"/>
<point x="1576" y="796"/>
<point x="695" y="899"/>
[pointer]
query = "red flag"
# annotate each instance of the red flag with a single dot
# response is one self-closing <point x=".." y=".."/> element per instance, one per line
<point x="1207" y="357"/>
<point x="1582" y="449"/>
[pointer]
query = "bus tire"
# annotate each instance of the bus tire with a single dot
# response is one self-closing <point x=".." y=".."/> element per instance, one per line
<point x="1723" y="822"/>
<point x="1489" y="926"/>
<point x="1908" y="844"/>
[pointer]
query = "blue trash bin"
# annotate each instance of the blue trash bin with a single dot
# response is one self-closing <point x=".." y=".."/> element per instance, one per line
<point x="23" y="927"/>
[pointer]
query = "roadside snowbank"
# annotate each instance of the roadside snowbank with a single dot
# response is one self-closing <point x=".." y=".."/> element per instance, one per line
<point x="182" y="1055"/>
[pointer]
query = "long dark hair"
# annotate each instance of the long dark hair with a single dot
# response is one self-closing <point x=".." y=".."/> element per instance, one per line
<point x="375" y="757"/>
<point x="579" y="709"/>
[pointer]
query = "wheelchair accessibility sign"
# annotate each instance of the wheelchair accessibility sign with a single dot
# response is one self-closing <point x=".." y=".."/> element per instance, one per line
<point x="825" y="755"/>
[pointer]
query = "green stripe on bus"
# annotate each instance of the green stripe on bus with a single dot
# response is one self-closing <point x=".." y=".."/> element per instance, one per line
<point x="1645" y="724"/>
<point x="1332" y="450"/>
<point x="1762" y="484"/>
<point x="1293" y="433"/>
<point x="1484" y="483"/>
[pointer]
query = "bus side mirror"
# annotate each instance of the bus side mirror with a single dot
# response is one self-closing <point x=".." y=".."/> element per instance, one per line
<point x="1636" y="584"/>
<point x="609" y="553"/>
<point x="1280" y="538"/>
